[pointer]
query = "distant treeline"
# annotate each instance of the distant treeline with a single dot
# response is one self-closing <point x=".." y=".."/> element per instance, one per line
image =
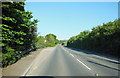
<point x="49" y="40"/>
<point x="103" y="39"/>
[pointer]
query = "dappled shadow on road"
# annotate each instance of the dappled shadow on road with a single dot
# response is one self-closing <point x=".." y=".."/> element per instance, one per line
<point x="104" y="65"/>
<point x="98" y="54"/>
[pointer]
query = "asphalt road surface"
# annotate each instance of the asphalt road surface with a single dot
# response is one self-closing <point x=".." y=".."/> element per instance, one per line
<point x="63" y="61"/>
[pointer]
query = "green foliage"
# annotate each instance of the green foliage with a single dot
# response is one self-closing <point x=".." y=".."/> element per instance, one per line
<point x="40" y="41"/>
<point x="18" y="31"/>
<point x="63" y="42"/>
<point x="103" y="39"/>
<point x="50" y="41"/>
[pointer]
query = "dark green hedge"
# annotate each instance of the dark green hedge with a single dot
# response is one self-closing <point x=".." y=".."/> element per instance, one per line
<point x="102" y="39"/>
<point x="18" y="31"/>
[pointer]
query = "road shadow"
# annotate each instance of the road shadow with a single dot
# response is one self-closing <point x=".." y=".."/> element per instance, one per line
<point x="98" y="54"/>
<point x="104" y="65"/>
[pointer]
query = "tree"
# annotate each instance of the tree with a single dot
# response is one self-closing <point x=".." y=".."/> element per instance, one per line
<point x="51" y="40"/>
<point x="40" y="41"/>
<point x="18" y="31"/>
<point x="102" y="39"/>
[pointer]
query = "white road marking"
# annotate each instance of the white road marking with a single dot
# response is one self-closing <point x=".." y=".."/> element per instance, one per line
<point x="65" y="50"/>
<point x="25" y="73"/>
<point x="106" y="58"/>
<point x="83" y="64"/>
<point x="71" y="55"/>
<point x="78" y="60"/>
<point x="35" y="68"/>
<point x="96" y="74"/>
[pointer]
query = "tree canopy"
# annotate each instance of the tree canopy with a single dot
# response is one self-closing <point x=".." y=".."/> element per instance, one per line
<point x="19" y="32"/>
<point x="51" y="40"/>
<point x="102" y="39"/>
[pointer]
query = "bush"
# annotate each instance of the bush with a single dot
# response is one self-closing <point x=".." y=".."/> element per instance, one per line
<point x="102" y="39"/>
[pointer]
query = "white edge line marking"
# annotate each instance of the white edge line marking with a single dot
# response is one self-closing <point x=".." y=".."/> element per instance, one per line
<point x="106" y="58"/>
<point x="33" y="62"/>
<point x="84" y="64"/>
<point x="27" y="70"/>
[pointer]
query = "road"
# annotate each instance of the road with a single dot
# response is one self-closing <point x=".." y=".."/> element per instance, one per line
<point x="63" y="61"/>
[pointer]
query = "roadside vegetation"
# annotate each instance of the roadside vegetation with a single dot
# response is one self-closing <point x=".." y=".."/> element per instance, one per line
<point x="102" y="39"/>
<point x="19" y="33"/>
<point x="49" y="40"/>
<point x="63" y="42"/>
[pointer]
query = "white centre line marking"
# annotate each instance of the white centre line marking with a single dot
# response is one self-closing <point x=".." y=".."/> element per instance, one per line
<point x="84" y="64"/>
<point x="78" y="60"/>
<point x="66" y="50"/>
<point x="71" y="55"/>
<point x="96" y="74"/>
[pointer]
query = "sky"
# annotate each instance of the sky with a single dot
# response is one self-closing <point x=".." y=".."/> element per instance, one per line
<point x="67" y="19"/>
<point x="73" y="0"/>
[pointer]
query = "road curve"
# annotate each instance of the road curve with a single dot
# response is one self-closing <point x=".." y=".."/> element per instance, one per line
<point x="63" y="61"/>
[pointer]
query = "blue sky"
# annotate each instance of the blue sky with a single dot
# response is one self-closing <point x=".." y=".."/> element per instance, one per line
<point x="72" y="0"/>
<point x="67" y="19"/>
